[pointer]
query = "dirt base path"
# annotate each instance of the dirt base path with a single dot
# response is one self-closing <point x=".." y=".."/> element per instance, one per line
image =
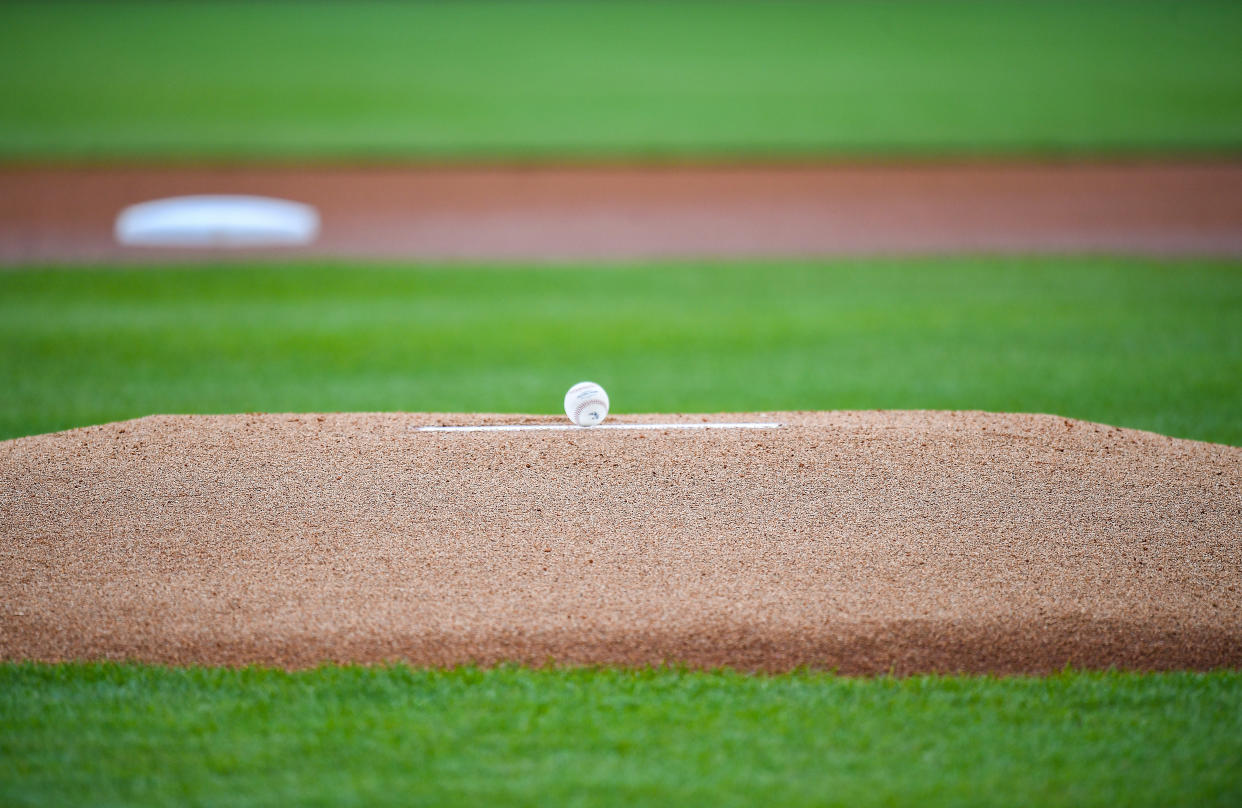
<point x="626" y="213"/>
<point x="866" y="542"/>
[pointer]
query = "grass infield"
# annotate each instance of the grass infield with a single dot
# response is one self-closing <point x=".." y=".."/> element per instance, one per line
<point x="141" y="80"/>
<point x="131" y="735"/>
<point x="1139" y="343"/>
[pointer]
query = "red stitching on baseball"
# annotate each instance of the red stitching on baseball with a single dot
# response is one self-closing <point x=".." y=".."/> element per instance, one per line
<point x="584" y="405"/>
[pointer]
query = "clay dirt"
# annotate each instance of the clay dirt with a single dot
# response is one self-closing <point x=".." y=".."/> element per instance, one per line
<point x="65" y="214"/>
<point x="864" y="542"/>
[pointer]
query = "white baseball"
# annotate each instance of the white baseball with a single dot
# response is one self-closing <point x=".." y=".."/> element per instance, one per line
<point x="586" y="404"/>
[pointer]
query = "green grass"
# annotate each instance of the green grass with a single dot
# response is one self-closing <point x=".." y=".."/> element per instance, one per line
<point x="132" y="735"/>
<point x="1139" y="343"/>
<point x="674" y="79"/>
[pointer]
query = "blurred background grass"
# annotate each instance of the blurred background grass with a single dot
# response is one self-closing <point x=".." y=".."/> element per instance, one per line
<point x="564" y="80"/>
<point x="1153" y="344"/>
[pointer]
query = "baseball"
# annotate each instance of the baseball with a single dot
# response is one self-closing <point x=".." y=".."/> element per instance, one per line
<point x="586" y="404"/>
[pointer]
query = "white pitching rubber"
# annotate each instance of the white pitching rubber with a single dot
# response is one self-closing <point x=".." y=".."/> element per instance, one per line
<point x="566" y="428"/>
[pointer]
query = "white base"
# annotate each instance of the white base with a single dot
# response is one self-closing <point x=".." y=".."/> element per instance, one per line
<point x="217" y="221"/>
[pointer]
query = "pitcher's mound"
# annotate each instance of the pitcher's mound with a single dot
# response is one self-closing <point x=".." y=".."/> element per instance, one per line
<point x="861" y="541"/>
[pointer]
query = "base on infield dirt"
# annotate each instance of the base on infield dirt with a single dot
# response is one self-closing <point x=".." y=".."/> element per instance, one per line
<point x="53" y="214"/>
<point x="862" y="541"/>
<point x="217" y="221"/>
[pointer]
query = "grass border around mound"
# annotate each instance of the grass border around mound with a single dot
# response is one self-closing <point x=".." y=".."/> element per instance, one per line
<point x="112" y="734"/>
<point x="1151" y="344"/>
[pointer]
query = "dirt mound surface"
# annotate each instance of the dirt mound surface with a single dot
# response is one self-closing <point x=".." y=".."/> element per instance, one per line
<point x="66" y="214"/>
<point x="862" y="541"/>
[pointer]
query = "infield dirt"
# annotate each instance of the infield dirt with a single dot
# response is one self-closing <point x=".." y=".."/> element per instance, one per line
<point x="861" y="541"/>
<point x="634" y="212"/>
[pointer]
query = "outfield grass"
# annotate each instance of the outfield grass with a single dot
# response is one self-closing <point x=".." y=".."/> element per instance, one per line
<point x="131" y="735"/>
<point x="563" y="79"/>
<point x="1140" y="343"/>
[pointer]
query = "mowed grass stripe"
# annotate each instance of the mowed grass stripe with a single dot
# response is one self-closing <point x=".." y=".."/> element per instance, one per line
<point x="1139" y="343"/>
<point x="557" y="80"/>
<point x="131" y="735"/>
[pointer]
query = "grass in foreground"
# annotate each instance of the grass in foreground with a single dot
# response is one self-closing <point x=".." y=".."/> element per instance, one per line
<point x="133" y="735"/>
<point x="1147" y="344"/>
<point x="564" y="79"/>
